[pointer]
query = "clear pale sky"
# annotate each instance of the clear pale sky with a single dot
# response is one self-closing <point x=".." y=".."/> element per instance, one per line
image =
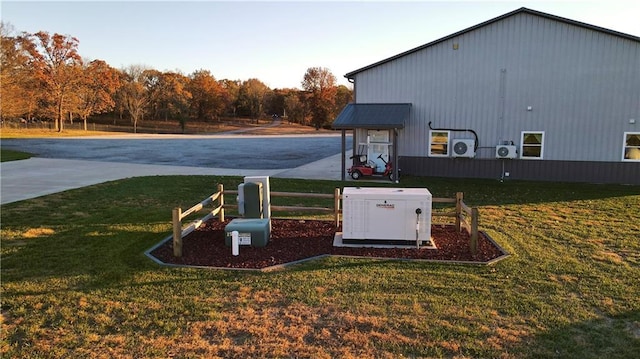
<point x="276" y="41"/>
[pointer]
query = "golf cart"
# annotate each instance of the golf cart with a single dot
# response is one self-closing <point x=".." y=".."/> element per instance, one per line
<point x="363" y="167"/>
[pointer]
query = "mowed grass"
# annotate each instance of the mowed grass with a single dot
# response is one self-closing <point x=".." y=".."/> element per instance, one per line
<point x="11" y="155"/>
<point x="75" y="281"/>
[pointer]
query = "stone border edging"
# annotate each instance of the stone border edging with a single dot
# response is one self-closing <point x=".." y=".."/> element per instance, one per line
<point x="282" y="266"/>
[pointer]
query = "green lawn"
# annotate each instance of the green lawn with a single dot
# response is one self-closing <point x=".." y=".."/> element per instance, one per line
<point x="10" y="155"/>
<point x="75" y="281"/>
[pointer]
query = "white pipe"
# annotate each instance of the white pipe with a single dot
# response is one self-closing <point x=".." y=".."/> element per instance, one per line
<point x="235" y="243"/>
<point x="418" y="211"/>
<point x="418" y="232"/>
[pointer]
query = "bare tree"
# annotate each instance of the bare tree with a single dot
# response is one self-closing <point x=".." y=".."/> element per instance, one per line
<point x="134" y="93"/>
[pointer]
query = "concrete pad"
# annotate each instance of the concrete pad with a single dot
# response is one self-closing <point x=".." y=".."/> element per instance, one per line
<point x="37" y="177"/>
<point x="338" y="242"/>
<point x="325" y="169"/>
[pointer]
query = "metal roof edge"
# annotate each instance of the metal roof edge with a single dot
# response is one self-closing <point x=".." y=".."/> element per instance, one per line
<point x="349" y="109"/>
<point x="349" y="75"/>
<point x="380" y="103"/>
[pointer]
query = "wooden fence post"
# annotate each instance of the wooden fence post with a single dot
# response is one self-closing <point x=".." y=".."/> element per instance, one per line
<point x="221" y="201"/>
<point x="177" y="232"/>
<point x="336" y="206"/>
<point x="474" y="231"/>
<point x="459" y="197"/>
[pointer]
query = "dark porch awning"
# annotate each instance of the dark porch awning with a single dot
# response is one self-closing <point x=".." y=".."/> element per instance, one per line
<point x="372" y="116"/>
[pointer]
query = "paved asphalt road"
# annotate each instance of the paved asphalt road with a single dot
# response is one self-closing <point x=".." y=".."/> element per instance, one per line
<point x="221" y="151"/>
<point x="62" y="164"/>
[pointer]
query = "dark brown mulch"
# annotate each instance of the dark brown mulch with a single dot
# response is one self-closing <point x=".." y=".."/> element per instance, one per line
<point x="292" y="240"/>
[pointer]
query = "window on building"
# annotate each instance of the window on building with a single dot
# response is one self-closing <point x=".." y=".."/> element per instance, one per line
<point x="439" y="143"/>
<point x="631" y="147"/>
<point x="532" y="145"/>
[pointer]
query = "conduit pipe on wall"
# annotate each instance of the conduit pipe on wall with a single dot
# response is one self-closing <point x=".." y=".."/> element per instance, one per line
<point x="475" y="147"/>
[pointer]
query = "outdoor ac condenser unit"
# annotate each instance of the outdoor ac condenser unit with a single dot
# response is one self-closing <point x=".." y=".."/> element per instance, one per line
<point x="506" y="151"/>
<point x="386" y="214"/>
<point x="463" y="148"/>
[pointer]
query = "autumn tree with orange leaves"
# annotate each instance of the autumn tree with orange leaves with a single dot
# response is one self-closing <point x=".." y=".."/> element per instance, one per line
<point x="43" y="76"/>
<point x="17" y="88"/>
<point x="320" y="83"/>
<point x="207" y="100"/>
<point x="55" y="63"/>
<point x="96" y="87"/>
<point x="172" y="98"/>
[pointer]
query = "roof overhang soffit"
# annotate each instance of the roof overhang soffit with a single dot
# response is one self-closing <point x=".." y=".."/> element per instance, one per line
<point x="373" y="116"/>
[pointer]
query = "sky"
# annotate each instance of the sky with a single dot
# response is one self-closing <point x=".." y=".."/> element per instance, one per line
<point x="277" y="41"/>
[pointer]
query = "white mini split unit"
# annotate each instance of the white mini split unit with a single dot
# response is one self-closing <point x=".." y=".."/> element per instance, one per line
<point x="506" y="151"/>
<point x="463" y="148"/>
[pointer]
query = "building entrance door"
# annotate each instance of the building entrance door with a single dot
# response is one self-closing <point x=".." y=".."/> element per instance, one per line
<point x="378" y="144"/>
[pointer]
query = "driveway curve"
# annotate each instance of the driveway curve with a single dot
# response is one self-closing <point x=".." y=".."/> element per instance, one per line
<point x="67" y="163"/>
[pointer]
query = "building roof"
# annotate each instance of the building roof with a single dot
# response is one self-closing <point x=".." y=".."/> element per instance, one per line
<point x="488" y="22"/>
<point x="373" y="116"/>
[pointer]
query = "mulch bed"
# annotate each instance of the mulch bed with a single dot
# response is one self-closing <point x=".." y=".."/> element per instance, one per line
<point x="293" y="240"/>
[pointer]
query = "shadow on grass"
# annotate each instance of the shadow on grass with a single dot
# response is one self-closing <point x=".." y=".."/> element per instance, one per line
<point x="606" y="337"/>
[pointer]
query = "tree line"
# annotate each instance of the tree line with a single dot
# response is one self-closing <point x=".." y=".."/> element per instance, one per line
<point x="43" y="77"/>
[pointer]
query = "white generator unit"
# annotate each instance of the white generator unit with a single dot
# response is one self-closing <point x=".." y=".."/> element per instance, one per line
<point x="396" y="215"/>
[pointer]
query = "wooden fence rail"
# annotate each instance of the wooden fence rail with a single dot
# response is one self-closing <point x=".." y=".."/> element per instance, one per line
<point x="178" y="215"/>
<point x="466" y="217"/>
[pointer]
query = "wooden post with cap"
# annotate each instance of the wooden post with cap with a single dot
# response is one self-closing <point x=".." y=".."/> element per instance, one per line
<point x="177" y="232"/>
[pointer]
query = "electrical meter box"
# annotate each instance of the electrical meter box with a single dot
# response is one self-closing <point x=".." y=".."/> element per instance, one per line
<point x="250" y="200"/>
<point x="266" y="193"/>
<point x="253" y="232"/>
<point x="386" y="214"/>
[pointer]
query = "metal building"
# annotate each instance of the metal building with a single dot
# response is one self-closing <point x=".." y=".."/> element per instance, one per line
<point x="526" y="95"/>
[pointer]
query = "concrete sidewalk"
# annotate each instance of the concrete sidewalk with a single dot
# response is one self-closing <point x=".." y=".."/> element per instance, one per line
<point x="35" y="177"/>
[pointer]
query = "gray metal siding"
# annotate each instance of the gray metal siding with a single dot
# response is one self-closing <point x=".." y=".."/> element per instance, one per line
<point x="583" y="87"/>
<point x="560" y="171"/>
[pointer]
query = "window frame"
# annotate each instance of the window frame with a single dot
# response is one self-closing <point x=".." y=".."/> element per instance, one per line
<point x="624" y="146"/>
<point x="523" y="145"/>
<point x="448" y="143"/>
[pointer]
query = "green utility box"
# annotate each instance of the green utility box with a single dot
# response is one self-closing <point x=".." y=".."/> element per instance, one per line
<point x="251" y="231"/>
<point x="253" y="200"/>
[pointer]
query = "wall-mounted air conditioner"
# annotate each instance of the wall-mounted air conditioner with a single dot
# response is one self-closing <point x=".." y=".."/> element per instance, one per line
<point x="463" y="148"/>
<point x="506" y="151"/>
